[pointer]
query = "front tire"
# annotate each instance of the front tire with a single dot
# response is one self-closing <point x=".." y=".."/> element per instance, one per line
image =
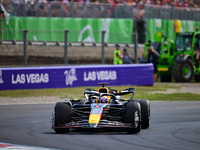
<point x="145" y="110"/>
<point x="183" y="71"/>
<point x="133" y="115"/>
<point x="62" y="116"/>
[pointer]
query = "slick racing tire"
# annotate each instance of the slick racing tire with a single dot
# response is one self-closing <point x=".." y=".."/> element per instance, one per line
<point x="133" y="115"/>
<point x="62" y="116"/>
<point x="145" y="110"/>
<point x="183" y="71"/>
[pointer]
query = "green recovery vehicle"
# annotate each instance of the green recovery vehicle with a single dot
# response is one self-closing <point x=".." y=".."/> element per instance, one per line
<point x="179" y="59"/>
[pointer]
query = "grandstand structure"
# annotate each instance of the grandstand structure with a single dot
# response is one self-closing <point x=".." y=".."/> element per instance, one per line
<point x="100" y="10"/>
<point x="139" y="12"/>
<point x="181" y="13"/>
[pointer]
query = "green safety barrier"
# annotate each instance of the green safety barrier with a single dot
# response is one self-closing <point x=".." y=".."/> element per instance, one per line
<point x="169" y="27"/>
<point x="89" y="30"/>
<point x="80" y="29"/>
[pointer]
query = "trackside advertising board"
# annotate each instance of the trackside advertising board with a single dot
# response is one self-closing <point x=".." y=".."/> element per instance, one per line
<point x="169" y="27"/>
<point x="80" y="29"/>
<point x="75" y="76"/>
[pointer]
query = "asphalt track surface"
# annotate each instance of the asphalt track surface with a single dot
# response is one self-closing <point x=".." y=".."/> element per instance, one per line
<point x="174" y="125"/>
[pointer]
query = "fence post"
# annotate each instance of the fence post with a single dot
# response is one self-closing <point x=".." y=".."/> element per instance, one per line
<point x="65" y="47"/>
<point x="1" y="26"/>
<point x="102" y="47"/>
<point x="25" y="47"/>
<point x="135" y="47"/>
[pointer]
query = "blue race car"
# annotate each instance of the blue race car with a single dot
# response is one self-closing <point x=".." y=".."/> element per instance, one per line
<point x="102" y="108"/>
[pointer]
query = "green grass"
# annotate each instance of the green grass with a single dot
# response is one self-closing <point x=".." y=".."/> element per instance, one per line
<point x="141" y="92"/>
<point x="169" y="97"/>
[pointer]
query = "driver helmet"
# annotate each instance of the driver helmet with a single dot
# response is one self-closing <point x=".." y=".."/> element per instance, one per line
<point x="104" y="99"/>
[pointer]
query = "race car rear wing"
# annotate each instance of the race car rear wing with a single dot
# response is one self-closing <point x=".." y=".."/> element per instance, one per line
<point x="123" y="92"/>
<point x="115" y="92"/>
<point x="111" y="92"/>
<point x="126" y="91"/>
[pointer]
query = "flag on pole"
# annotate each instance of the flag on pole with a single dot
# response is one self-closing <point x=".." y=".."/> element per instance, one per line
<point x="6" y="15"/>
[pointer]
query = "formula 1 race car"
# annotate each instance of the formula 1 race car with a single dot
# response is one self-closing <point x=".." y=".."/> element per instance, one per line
<point x="102" y="108"/>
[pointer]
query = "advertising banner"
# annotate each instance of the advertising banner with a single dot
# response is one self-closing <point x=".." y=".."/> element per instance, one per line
<point x="80" y="29"/>
<point x="75" y="76"/>
<point x="169" y="27"/>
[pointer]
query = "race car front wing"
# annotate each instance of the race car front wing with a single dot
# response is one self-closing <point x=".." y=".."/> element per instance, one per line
<point x="101" y="124"/>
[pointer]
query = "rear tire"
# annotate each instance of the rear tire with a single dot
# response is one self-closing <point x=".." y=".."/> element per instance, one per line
<point x="145" y="110"/>
<point x="133" y="115"/>
<point x="183" y="71"/>
<point x="62" y="116"/>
